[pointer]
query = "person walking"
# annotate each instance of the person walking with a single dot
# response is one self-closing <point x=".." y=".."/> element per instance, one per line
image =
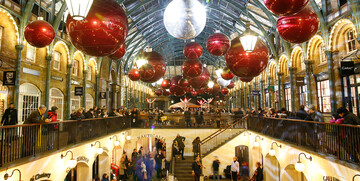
<point x="215" y="168"/>
<point x="244" y="173"/>
<point x="10" y="118"/>
<point x="196" y="168"/>
<point x="180" y="140"/>
<point x="235" y="169"/>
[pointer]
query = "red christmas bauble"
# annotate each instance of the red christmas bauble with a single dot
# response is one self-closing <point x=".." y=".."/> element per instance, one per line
<point x="177" y="90"/>
<point x="118" y="53"/>
<point x="158" y="62"/>
<point x="285" y="7"/>
<point x="166" y="93"/>
<point x="218" y="44"/>
<point x="166" y="84"/>
<point x="39" y="33"/>
<point x="134" y="74"/>
<point x="158" y="92"/>
<point x="226" y="74"/>
<point x="175" y="80"/>
<point x="200" y="91"/>
<point x="247" y="64"/>
<point x="208" y="90"/>
<point x="194" y="93"/>
<point x="102" y="32"/>
<point x="231" y="85"/>
<point x="192" y="68"/>
<point x="246" y="79"/>
<point x="183" y="82"/>
<point x="216" y="88"/>
<point x="200" y="81"/>
<point x="193" y="50"/>
<point x="299" y="27"/>
<point x="224" y="91"/>
<point x="146" y="72"/>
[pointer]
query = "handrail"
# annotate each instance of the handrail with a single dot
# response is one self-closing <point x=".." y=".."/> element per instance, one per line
<point x="304" y="121"/>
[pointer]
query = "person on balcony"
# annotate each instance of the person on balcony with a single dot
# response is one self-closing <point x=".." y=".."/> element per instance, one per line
<point x="134" y="117"/>
<point x="314" y="115"/>
<point x="89" y="114"/>
<point x="180" y="140"/>
<point x="52" y="115"/>
<point x="199" y="118"/>
<point x="301" y="114"/>
<point x="196" y="147"/>
<point x="10" y="118"/>
<point x="349" y="117"/>
<point x="187" y="114"/>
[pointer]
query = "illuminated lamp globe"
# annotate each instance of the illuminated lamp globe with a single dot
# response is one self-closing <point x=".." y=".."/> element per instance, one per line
<point x="72" y="163"/>
<point x="102" y="32"/>
<point x="128" y="137"/>
<point x="99" y="150"/>
<point x="134" y="74"/>
<point x="299" y="27"/>
<point x="192" y="68"/>
<point x="272" y="152"/>
<point x="116" y="142"/>
<point x="256" y="144"/>
<point x="118" y="53"/>
<point x="285" y="7"/>
<point x="78" y="9"/>
<point x="146" y="72"/>
<point x="185" y="19"/>
<point x="39" y="33"/>
<point x="218" y="44"/>
<point x="248" y="39"/>
<point x="193" y="50"/>
<point x="300" y="167"/>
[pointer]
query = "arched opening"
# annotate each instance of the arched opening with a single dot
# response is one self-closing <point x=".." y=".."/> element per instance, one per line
<point x="271" y="168"/>
<point x="75" y="102"/>
<point x="82" y="171"/>
<point x="29" y="100"/>
<point x="290" y="174"/>
<point x="57" y="99"/>
<point x="71" y="175"/>
<point x="95" y="168"/>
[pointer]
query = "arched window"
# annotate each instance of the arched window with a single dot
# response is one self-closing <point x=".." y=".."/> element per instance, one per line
<point x="322" y="55"/>
<point x="56" y="58"/>
<point x="75" y="102"/>
<point x="350" y="40"/>
<point x="30" y="53"/>
<point x="29" y="100"/>
<point x="89" y="73"/>
<point x="76" y="67"/>
<point x="89" y="101"/>
<point x="57" y="99"/>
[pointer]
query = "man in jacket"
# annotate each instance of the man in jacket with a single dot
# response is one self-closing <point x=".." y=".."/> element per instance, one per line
<point x="180" y="140"/>
<point x="349" y="117"/>
<point x="10" y="118"/>
<point x="301" y="114"/>
<point x="187" y="114"/>
<point x="314" y="115"/>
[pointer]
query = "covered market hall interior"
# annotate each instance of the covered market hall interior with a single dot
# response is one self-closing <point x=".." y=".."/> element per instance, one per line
<point x="150" y="90"/>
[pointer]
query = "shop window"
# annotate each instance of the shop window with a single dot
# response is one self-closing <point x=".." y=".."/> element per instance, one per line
<point x="303" y="95"/>
<point x="29" y="100"/>
<point x="89" y="73"/>
<point x="76" y="68"/>
<point x="57" y="99"/>
<point x="322" y="55"/>
<point x="1" y="35"/>
<point x="288" y="99"/>
<point x="323" y="93"/>
<point x="350" y="41"/>
<point x="56" y="58"/>
<point x="30" y="53"/>
<point x="89" y="101"/>
<point x="75" y="102"/>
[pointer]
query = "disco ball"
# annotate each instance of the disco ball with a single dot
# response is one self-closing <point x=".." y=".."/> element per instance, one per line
<point x="185" y="19"/>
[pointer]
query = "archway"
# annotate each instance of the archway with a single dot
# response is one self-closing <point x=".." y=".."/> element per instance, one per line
<point x="82" y="171"/>
<point x="271" y="168"/>
<point x="290" y="174"/>
<point x="57" y="99"/>
<point x="29" y="100"/>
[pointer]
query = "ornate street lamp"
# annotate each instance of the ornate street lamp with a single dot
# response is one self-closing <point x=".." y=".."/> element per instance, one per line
<point x="248" y="39"/>
<point x="79" y="8"/>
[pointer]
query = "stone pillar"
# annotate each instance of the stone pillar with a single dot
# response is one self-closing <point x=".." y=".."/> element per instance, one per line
<point x="97" y="90"/>
<point x="280" y="90"/>
<point x="47" y="83"/>
<point x="256" y="101"/>
<point x="308" y="81"/>
<point x="270" y="94"/>
<point x="84" y="87"/>
<point x="126" y="97"/>
<point x="113" y="91"/>
<point x="241" y="98"/>
<point x="292" y="87"/>
<point x="262" y="94"/>
<point x="19" y="49"/>
<point x="331" y="74"/>
<point x="131" y="95"/>
<point x="68" y="91"/>
<point x="249" y="96"/>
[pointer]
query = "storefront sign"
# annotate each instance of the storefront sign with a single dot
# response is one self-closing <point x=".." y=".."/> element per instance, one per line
<point x="9" y="78"/>
<point x="151" y="136"/>
<point x="56" y="78"/>
<point x="82" y="159"/>
<point x="31" y="71"/>
<point x="347" y="68"/>
<point x="102" y="95"/>
<point x="79" y="91"/>
<point x="255" y="92"/>
<point x="300" y="81"/>
<point x="40" y="176"/>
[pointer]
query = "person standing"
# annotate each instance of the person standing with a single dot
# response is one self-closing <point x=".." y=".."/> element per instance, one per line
<point x="187" y="114"/>
<point x="235" y="169"/>
<point x="52" y="115"/>
<point x="215" y="167"/>
<point x="218" y="118"/>
<point x="10" y="118"/>
<point x="180" y="140"/>
<point x="134" y="117"/>
<point x="258" y="174"/>
<point x="196" y="147"/>
<point x="196" y="168"/>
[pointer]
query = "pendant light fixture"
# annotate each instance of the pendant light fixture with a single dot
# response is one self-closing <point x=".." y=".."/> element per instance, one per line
<point x="79" y="8"/>
<point x="248" y="39"/>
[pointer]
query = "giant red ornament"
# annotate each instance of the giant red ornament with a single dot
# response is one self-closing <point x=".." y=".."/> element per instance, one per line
<point x="193" y="50"/>
<point x="183" y="82"/>
<point x="247" y="64"/>
<point x="158" y="62"/>
<point x="218" y="44"/>
<point x="208" y="90"/>
<point x="231" y="85"/>
<point x="146" y="72"/>
<point x="118" y="53"/>
<point x="158" y="92"/>
<point x="246" y="79"/>
<point x="134" y="74"/>
<point x="193" y="93"/>
<point x="102" y="32"/>
<point x="299" y="27"/>
<point x="224" y="91"/>
<point x="175" y="80"/>
<point x="177" y="90"/>
<point x="39" y="33"/>
<point x="192" y="68"/>
<point x="285" y="7"/>
<point x="200" y="91"/>
<point x="166" y="84"/>
<point x="166" y="93"/>
<point x="216" y="88"/>
<point x="226" y="74"/>
<point x="200" y="81"/>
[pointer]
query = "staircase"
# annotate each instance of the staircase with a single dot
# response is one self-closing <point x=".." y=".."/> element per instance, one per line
<point x="183" y="169"/>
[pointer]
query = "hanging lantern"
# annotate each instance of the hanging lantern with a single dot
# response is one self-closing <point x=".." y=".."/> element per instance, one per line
<point x="200" y="81"/>
<point x="166" y="84"/>
<point x="158" y="92"/>
<point x="102" y="32"/>
<point x="192" y="68"/>
<point x="146" y="72"/>
<point x="248" y="39"/>
<point x="118" y="53"/>
<point x="224" y="91"/>
<point x="184" y="19"/>
<point x="193" y="50"/>
<point x="299" y="27"/>
<point x="226" y="74"/>
<point x="231" y="85"/>
<point x="218" y="44"/>
<point x="78" y="8"/>
<point x="285" y="7"/>
<point x="39" y="33"/>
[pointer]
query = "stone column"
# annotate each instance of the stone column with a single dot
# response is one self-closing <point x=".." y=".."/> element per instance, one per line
<point x="308" y="81"/>
<point x="84" y="87"/>
<point x="47" y="83"/>
<point x="256" y="101"/>
<point x="292" y="87"/>
<point x="249" y="96"/>
<point x="97" y="90"/>
<point x="270" y="94"/>
<point x="68" y="91"/>
<point x="262" y="94"/>
<point x="126" y="97"/>
<point x="19" y="49"/>
<point x="113" y="91"/>
<point x="331" y="74"/>
<point x="241" y="98"/>
<point x="280" y="90"/>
